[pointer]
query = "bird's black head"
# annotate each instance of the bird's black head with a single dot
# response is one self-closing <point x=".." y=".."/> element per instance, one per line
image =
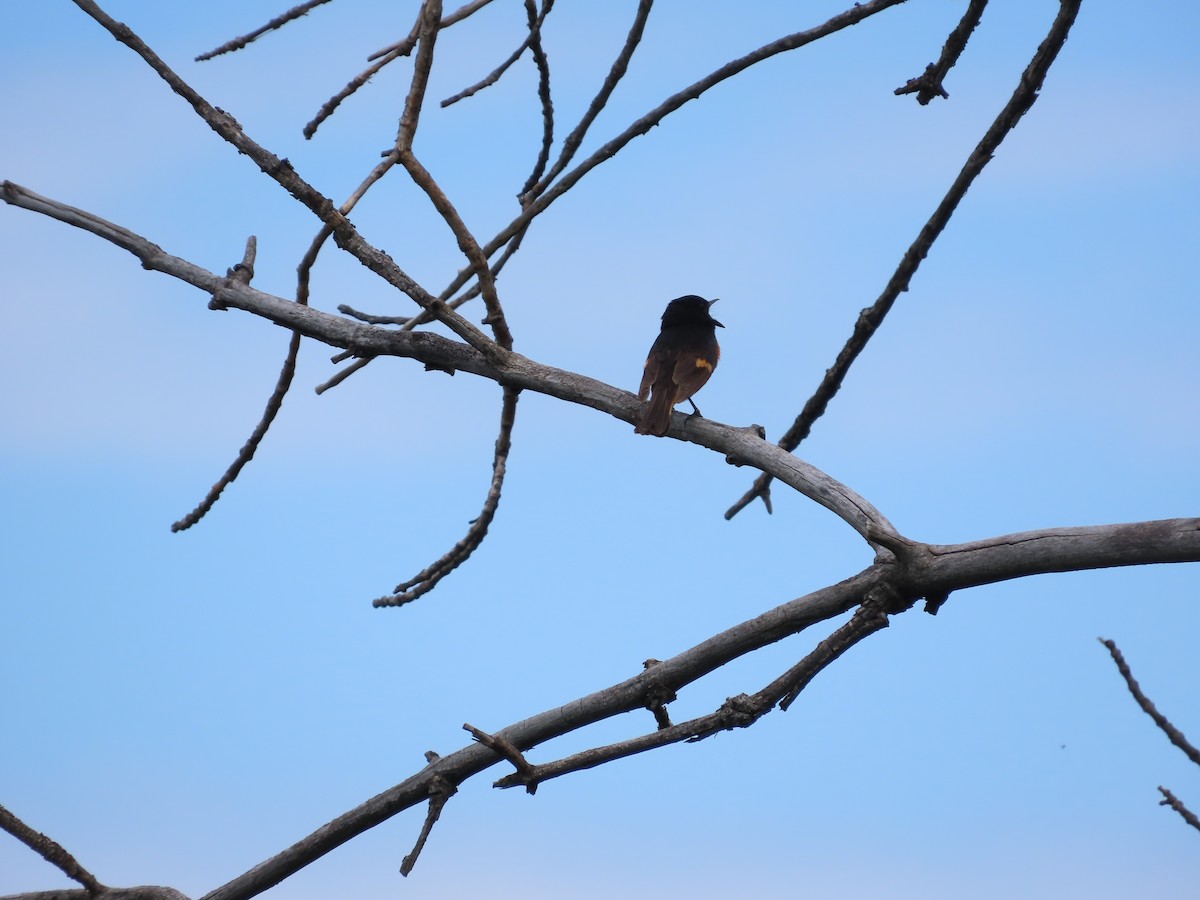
<point x="689" y="310"/>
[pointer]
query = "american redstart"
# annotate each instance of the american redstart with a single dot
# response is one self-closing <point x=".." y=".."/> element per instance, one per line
<point x="680" y="361"/>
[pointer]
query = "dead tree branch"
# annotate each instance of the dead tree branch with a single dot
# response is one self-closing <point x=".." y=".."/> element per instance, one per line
<point x="535" y="24"/>
<point x="243" y="272"/>
<point x="929" y="84"/>
<point x="278" y="22"/>
<point x="892" y="584"/>
<point x="425" y="580"/>
<point x="1176" y="804"/>
<point x="615" y="73"/>
<point x="1174" y="735"/>
<point x="741" y="711"/>
<point x="51" y="851"/>
<point x="143" y="892"/>
<point x="285" y="175"/>
<point x="381" y="58"/>
<point x="543" y="66"/>
<point x="871" y="318"/>
<point x="445" y="354"/>
<point x="440" y="791"/>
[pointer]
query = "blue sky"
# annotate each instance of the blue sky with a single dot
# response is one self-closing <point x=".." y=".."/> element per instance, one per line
<point x="179" y="707"/>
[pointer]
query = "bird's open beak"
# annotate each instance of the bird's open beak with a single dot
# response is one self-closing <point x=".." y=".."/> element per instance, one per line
<point x="710" y="303"/>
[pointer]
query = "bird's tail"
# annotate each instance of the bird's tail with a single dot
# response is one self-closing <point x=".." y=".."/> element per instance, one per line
<point x="657" y="417"/>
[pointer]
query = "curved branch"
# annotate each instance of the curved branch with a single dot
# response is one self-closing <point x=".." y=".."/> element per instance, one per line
<point x="740" y="445"/>
<point x="543" y="66"/>
<point x="619" y="67"/>
<point x="772" y="626"/>
<point x="870" y="319"/>
<point x="244" y="272"/>
<point x="425" y="581"/>
<point x="1174" y="735"/>
<point x="385" y="56"/>
<point x="893" y="584"/>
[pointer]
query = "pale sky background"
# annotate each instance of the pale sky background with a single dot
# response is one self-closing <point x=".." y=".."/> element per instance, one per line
<point x="176" y="708"/>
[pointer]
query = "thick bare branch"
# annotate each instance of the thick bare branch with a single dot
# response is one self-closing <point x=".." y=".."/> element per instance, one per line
<point x="51" y="851"/>
<point x="772" y="626"/>
<point x="743" y="445"/>
<point x="381" y="58"/>
<point x="870" y="319"/>
<point x="894" y="584"/>
<point x="943" y="568"/>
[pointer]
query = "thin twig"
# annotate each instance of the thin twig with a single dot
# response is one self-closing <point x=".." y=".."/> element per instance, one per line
<point x="330" y="106"/>
<point x="1174" y="735"/>
<point x="50" y="850"/>
<point x="1176" y="804"/>
<point x="870" y="319"/>
<point x="243" y="273"/>
<point x="342" y="374"/>
<point x="491" y="77"/>
<point x="277" y="22"/>
<point x="458" y="15"/>
<point x="440" y="790"/>
<point x="619" y="67"/>
<point x="929" y="84"/>
<point x="425" y="580"/>
<point x="381" y="58"/>
<point x="543" y="66"/>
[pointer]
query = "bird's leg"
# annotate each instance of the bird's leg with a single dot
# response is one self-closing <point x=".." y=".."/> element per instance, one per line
<point x="695" y="408"/>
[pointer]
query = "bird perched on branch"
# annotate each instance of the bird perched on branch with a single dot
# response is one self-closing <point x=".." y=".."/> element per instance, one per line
<point x="681" y="360"/>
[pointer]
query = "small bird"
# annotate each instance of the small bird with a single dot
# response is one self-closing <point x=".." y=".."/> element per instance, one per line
<point x="680" y="361"/>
